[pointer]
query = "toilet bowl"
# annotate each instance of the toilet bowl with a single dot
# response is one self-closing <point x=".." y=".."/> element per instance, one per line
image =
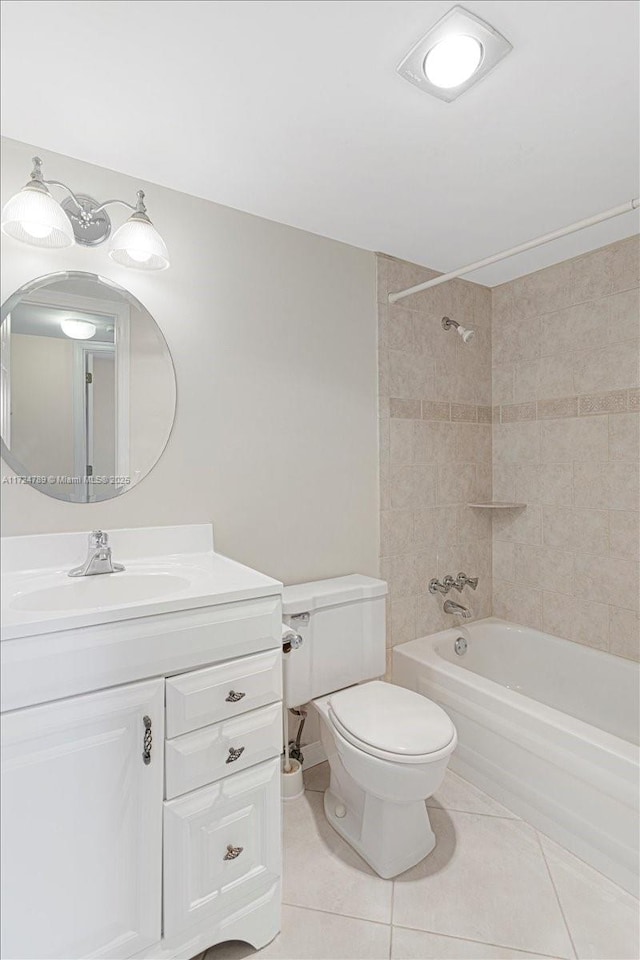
<point x="388" y="749"/>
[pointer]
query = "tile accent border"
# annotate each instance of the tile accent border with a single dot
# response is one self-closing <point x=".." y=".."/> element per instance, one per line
<point x="586" y="405"/>
<point x="437" y="410"/>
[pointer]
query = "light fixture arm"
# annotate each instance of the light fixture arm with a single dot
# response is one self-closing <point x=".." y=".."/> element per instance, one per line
<point x="36" y="174"/>
<point x="139" y="207"/>
<point x="36" y="177"/>
<point x="58" y="183"/>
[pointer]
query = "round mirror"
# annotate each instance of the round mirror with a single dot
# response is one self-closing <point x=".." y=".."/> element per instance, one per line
<point x="88" y="390"/>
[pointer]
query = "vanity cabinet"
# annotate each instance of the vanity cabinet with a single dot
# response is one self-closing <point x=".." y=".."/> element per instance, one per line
<point x="140" y="752"/>
<point x="82" y="825"/>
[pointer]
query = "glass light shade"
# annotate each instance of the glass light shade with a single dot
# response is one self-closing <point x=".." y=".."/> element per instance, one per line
<point x="452" y="61"/>
<point x="138" y="244"/>
<point x="33" y="216"/>
<point x="78" y="329"/>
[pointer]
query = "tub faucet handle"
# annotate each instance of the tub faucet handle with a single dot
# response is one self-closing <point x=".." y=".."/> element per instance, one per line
<point x="435" y="586"/>
<point x="463" y="580"/>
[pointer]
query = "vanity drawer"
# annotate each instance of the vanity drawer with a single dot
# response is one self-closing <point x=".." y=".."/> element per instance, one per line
<point x="203" y="697"/>
<point x="198" y="758"/>
<point x="221" y="847"/>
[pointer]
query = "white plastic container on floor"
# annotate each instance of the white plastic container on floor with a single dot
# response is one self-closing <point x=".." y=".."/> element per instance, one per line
<point x="292" y="782"/>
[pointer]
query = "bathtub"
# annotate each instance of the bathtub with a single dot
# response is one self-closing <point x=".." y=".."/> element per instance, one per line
<point x="545" y="726"/>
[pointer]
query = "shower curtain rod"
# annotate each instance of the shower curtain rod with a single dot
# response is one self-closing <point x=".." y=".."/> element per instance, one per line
<point x="545" y="238"/>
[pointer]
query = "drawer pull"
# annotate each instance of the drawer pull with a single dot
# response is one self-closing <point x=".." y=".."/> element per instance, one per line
<point x="232" y="852"/>
<point x="147" y="741"/>
<point x="233" y="697"/>
<point x="234" y="754"/>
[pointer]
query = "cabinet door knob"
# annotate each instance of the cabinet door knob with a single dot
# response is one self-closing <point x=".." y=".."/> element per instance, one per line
<point x="233" y="697"/>
<point x="147" y="741"/>
<point x="234" y="754"/>
<point x="232" y="852"/>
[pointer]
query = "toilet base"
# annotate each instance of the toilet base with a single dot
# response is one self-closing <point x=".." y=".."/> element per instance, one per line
<point x="391" y="837"/>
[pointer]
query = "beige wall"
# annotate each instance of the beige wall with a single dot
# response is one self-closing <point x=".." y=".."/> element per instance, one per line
<point x="273" y="335"/>
<point x="565" y="441"/>
<point x="435" y="447"/>
<point x="42" y="404"/>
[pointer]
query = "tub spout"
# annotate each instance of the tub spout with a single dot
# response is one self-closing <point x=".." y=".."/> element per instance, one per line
<point x="450" y="606"/>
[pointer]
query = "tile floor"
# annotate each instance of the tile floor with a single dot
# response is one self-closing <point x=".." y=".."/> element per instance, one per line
<point x="493" y="888"/>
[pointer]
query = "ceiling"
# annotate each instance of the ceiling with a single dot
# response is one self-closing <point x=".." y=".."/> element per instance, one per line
<point x="40" y="320"/>
<point x="293" y="111"/>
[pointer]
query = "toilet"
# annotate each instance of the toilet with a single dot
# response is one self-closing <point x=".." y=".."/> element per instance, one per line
<point x="388" y="747"/>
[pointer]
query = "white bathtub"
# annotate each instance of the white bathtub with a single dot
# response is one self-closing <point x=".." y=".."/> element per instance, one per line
<point x="547" y="727"/>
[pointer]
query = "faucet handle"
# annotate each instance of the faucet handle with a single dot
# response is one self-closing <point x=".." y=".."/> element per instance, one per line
<point x="98" y="538"/>
<point x="463" y="580"/>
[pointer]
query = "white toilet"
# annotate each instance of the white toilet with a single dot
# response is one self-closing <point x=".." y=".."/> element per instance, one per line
<point x="388" y="747"/>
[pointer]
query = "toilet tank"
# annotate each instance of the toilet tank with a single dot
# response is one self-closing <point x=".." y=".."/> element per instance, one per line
<point x="342" y="623"/>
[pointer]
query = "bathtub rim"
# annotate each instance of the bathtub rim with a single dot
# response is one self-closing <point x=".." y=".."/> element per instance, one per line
<point x="614" y="745"/>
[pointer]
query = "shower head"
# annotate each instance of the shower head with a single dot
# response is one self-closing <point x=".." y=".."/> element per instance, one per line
<point x="467" y="335"/>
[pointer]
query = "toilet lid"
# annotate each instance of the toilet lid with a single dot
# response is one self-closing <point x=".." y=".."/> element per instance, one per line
<point x="392" y="719"/>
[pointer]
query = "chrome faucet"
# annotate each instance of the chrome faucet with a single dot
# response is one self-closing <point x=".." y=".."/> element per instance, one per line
<point x="98" y="557"/>
<point x="450" y="606"/>
<point x="463" y="580"/>
<point x="437" y="586"/>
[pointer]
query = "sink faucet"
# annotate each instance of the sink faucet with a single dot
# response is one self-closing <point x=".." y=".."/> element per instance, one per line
<point x="98" y="557"/>
<point x="450" y="606"/>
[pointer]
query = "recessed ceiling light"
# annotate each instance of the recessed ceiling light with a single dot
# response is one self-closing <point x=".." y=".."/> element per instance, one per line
<point x="457" y="52"/>
<point x="78" y="329"/>
<point x="452" y="61"/>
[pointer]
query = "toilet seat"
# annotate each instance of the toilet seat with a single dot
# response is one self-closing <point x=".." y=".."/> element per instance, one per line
<point x="392" y="723"/>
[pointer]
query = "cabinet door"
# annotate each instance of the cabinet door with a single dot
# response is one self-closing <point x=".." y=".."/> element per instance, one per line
<point x="221" y="847"/>
<point x="82" y="825"/>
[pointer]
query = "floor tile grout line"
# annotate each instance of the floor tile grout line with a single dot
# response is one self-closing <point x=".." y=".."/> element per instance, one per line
<point x="555" y="890"/>
<point x="586" y="864"/>
<point x="476" y="813"/>
<point x="334" y="913"/>
<point x="484" y="943"/>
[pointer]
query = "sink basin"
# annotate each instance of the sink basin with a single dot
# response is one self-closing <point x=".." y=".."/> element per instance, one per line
<point x="168" y="570"/>
<point x="104" y="590"/>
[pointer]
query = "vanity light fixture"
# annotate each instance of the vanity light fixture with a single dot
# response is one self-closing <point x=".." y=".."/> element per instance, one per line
<point x="78" y="329"/>
<point x="35" y="217"/>
<point x="458" y="51"/>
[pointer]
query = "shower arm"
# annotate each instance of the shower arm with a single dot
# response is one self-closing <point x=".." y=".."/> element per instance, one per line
<point x="628" y="207"/>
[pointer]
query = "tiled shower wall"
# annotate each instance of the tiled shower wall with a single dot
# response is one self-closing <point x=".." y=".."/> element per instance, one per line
<point x="557" y="354"/>
<point x="565" y="441"/>
<point x="435" y="447"/>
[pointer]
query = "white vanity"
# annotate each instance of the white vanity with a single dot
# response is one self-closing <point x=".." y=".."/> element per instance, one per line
<point x="141" y="736"/>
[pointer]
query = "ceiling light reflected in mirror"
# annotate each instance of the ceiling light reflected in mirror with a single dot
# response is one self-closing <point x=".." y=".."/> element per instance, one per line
<point x="78" y="329"/>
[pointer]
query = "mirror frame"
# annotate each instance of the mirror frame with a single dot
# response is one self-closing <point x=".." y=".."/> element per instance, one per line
<point x="10" y="303"/>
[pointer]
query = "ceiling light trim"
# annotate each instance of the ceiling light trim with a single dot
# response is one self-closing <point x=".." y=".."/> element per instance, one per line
<point x="457" y="21"/>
